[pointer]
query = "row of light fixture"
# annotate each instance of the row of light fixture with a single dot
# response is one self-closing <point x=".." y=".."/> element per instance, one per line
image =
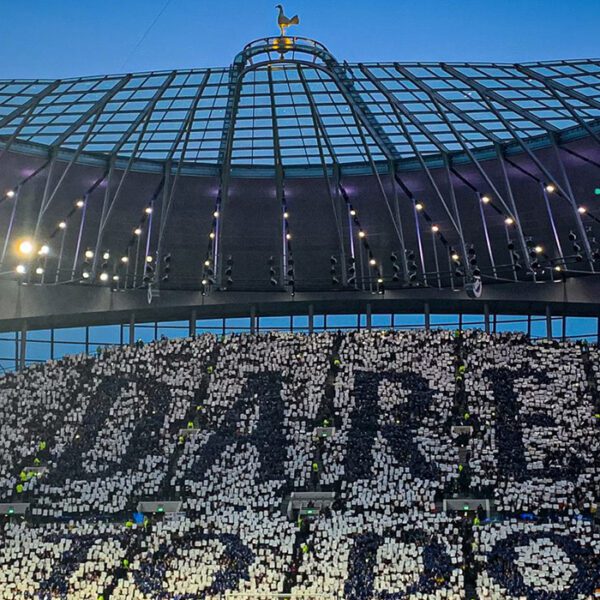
<point x="362" y="235"/>
<point x="208" y="267"/>
<point x="28" y="248"/>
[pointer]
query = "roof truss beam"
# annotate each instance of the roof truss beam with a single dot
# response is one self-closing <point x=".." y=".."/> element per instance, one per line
<point x="94" y="110"/>
<point x="441" y="100"/>
<point x="399" y="106"/>
<point x="496" y="97"/>
<point x="148" y="109"/>
<point x="551" y="83"/>
<point x="29" y="104"/>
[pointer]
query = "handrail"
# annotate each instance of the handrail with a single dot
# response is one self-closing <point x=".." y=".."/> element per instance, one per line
<point x="281" y="45"/>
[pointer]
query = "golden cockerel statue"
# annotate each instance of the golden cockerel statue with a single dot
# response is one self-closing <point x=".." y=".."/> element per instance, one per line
<point x="285" y="22"/>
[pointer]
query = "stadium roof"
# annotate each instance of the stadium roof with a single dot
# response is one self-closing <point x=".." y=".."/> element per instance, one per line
<point x="298" y="106"/>
<point x="289" y="180"/>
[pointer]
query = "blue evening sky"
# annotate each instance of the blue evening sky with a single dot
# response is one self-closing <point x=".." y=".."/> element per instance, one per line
<point x="67" y="38"/>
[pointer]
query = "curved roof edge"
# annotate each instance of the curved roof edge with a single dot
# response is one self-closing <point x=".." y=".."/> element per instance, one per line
<point x="289" y="102"/>
<point x="208" y="170"/>
<point x="43" y="307"/>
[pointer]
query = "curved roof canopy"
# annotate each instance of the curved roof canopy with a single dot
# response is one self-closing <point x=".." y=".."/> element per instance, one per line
<point x="288" y="101"/>
<point x="291" y="172"/>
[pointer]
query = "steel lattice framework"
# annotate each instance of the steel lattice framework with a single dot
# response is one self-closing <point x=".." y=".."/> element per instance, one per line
<point x="292" y="173"/>
<point x="288" y="110"/>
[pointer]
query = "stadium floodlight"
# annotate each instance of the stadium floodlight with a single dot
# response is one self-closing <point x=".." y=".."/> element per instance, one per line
<point x="44" y="250"/>
<point x="104" y="276"/>
<point x="550" y="188"/>
<point x="26" y="247"/>
<point x="89" y="253"/>
<point x="21" y="269"/>
<point x="486" y="199"/>
<point x="10" y="194"/>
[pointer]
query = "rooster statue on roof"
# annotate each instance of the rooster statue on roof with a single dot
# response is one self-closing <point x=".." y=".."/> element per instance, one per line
<point x="285" y="22"/>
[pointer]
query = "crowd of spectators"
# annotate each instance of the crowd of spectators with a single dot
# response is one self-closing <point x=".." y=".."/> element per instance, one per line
<point x="361" y="555"/>
<point x="76" y="560"/>
<point x="229" y="427"/>
<point x="393" y="402"/>
<point x="104" y="429"/>
<point x="536" y="425"/>
<point x="555" y="560"/>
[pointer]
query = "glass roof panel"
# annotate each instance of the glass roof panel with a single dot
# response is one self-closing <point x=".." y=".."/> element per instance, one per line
<point x="299" y="113"/>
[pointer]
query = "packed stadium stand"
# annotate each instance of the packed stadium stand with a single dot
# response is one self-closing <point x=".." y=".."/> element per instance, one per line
<point x="455" y="464"/>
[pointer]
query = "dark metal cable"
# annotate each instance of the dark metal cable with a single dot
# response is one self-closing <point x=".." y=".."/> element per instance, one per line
<point x="146" y="33"/>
